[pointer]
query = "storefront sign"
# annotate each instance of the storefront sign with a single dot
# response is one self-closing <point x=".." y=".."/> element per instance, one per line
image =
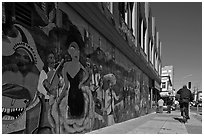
<point x="157" y="85"/>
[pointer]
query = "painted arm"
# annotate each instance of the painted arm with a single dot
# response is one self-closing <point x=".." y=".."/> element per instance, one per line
<point x="85" y="76"/>
<point x="116" y="97"/>
<point x="66" y="82"/>
<point x="42" y="78"/>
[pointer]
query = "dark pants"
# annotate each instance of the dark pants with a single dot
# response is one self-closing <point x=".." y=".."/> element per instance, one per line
<point x="168" y="108"/>
<point x="160" y="109"/>
<point x="44" y="111"/>
<point x="184" y="109"/>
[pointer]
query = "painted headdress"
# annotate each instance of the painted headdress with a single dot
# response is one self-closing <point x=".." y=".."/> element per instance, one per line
<point x="25" y="41"/>
<point x="29" y="50"/>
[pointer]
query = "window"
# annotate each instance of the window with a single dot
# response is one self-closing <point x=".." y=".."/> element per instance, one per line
<point x="110" y="6"/>
<point x="164" y="71"/>
<point x="3" y="13"/>
<point x="155" y="60"/>
<point x="144" y="34"/>
<point x="126" y="18"/>
<point x="160" y="48"/>
<point x="163" y="84"/>
<point x="152" y="50"/>
<point x="134" y="16"/>
<point x="160" y="68"/>
<point x="44" y="6"/>
<point x="146" y="41"/>
<point x="121" y="7"/>
<point x="23" y="14"/>
<point x="141" y="35"/>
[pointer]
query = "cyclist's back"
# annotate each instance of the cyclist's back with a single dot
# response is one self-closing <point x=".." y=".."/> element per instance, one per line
<point x="185" y="97"/>
<point x="184" y="93"/>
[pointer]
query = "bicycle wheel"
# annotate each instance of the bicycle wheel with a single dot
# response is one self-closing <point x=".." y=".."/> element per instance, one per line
<point x="184" y="119"/>
<point x="184" y="114"/>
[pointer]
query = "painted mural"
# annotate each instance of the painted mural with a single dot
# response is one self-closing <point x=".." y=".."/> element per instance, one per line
<point x="63" y="78"/>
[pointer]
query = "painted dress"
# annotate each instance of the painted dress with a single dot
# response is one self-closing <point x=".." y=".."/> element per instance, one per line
<point x="75" y="97"/>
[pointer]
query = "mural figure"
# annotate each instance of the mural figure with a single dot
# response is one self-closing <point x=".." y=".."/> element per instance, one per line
<point x="98" y="99"/>
<point x="97" y="83"/>
<point x="110" y="96"/>
<point x="21" y="68"/>
<point x="48" y="86"/>
<point x="95" y="76"/>
<point x="144" y="97"/>
<point x="137" y="96"/>
<point x="75" y="103"/>
<point x="73" y="72"/>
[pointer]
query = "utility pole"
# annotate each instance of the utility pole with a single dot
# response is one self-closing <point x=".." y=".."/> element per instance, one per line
<point x="194" y="93"/>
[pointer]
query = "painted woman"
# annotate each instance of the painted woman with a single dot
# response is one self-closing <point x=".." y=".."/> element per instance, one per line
<point x="73" y="111"/>
<point x="74" y="75"/>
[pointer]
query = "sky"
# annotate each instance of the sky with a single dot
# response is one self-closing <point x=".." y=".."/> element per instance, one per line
<point x="180" y="30"/>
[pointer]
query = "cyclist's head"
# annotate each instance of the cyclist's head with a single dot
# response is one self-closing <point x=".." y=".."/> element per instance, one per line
<point x="184" y="86"/>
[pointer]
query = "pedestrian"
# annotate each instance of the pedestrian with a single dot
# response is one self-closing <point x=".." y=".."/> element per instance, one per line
<point x="160" y="105"/>
<point x="185" y="97"/>
<point x="176" y="103"/>
<point x="169" y="104"/>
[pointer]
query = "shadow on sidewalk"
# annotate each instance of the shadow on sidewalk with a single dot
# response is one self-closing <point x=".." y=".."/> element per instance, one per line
<point x="179" y="119"/>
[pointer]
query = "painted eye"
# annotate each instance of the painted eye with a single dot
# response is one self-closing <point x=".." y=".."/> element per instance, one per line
<point x="72" y="46"/>
<point x="25" y="101"/>
<point x="26" y="57"/>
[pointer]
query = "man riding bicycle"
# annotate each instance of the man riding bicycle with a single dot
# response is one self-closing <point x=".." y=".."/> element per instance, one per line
<point x="185" y="96"/>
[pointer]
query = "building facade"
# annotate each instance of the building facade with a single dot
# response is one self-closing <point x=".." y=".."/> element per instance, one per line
<point x="167" y="82"/>
<point x="107" y="58"/>
<point x="200" y="96"/>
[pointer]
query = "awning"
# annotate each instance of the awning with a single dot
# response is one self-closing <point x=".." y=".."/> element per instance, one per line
<point x="164" y="94"/>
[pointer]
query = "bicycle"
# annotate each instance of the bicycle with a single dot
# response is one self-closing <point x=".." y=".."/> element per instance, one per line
<point x="184" y="115"/>
<point x="184" y="111"/>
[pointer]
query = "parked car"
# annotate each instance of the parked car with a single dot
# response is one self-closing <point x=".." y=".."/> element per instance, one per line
<point x="164" y="108"/>
<point x="200" y="105"/>
<point x="193" y="104"/>
<point x="173" y="107"/>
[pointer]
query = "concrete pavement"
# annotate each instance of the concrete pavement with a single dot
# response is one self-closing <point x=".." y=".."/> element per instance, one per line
<point x="155" y="123"/>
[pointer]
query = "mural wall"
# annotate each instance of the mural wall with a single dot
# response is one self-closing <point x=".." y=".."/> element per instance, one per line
<point x="59" y="75"/>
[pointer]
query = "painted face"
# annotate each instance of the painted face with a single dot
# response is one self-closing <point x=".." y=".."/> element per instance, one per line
<point x="23" y="60"/>
<point x="19" y="86"/>
<point x="73" y="50"/>
<point x="51" y="60"/>
<point x="14" y="106"/>
<point x="95" y="69"/>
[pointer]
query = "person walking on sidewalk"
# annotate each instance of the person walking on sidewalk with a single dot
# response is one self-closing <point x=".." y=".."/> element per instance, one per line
<point x="185" y="97"/>
<point x="169" y="104"/>
<point x="160" y="104"/>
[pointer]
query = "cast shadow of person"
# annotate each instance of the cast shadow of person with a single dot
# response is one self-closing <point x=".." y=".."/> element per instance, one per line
<point x="179" y="119"/>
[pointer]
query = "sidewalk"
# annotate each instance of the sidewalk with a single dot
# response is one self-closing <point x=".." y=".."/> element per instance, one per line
<point x="155" y="123"/>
